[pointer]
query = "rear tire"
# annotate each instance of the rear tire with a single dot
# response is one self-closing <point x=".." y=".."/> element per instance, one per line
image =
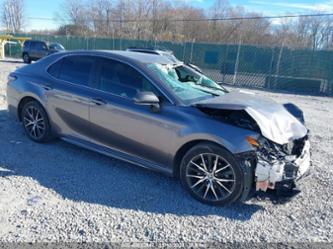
<point x="26" y="58"/>
<point x="211" y="175"/>
<point x="36" y="122"/>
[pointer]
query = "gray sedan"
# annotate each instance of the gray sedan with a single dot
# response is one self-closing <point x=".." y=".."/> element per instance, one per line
<point x="149" y="111"/>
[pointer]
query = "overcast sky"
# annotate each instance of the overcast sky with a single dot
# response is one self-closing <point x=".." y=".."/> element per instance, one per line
<point x="48" y="8"/>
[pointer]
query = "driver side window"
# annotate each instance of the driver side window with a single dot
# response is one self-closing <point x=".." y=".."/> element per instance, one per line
<point x="122" y="80"/>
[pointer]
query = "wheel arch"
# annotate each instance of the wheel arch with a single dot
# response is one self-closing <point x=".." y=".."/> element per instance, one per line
<point x="25" y="100"/>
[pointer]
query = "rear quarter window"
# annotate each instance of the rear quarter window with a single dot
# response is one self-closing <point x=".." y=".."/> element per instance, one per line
<point x="54" y="69"/>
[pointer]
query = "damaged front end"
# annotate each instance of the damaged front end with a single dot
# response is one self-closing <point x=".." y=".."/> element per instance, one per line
<point x="279" y="166"/>
<point x="281" y="154"/>
<point x="274" y="166"/>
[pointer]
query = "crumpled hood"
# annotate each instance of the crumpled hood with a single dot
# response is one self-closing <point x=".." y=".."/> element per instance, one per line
<point x="274" y="121"/>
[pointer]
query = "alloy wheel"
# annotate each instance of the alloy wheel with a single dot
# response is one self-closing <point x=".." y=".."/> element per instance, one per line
<point x="210" y="177"/>
<point x="34" y="122"/>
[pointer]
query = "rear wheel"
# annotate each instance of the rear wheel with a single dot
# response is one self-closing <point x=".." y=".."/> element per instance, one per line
<point x="211" y="175"/>
<point x="35" y="122"/>
<point x="26" y="58"/>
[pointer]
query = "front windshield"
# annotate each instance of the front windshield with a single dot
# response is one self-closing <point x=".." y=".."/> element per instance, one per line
<point x="187" y="84"/>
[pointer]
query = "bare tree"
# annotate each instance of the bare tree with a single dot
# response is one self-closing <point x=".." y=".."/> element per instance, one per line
<point x="77" y="15"/>
<point x="12" y="15"/>
<point x="169" y="20"/>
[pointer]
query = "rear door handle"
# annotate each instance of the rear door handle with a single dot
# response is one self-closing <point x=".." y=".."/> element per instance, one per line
<point x="98" y="101"/>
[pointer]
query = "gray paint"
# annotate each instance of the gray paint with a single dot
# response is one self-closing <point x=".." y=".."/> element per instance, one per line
<point x="120" y="127"/>
<point x="275" y="122"/>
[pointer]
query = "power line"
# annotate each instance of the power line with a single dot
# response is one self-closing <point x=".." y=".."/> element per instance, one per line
<point x="200" y="20"/>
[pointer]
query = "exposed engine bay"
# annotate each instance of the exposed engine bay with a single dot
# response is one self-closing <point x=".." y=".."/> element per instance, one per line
<point x="238" y="118"/>
<point x="277" y="165"/>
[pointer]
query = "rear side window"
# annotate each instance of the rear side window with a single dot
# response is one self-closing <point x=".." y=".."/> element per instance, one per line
<point x="38" y="45"/>
<point x="74" y="69"/>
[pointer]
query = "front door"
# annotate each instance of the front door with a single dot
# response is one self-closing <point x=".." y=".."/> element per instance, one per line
<point x="118" y="123"/>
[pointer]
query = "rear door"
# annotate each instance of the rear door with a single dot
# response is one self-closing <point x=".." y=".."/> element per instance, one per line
<point x="69" y="96"/>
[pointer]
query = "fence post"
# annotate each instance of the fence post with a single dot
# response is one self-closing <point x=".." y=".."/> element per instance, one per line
<point x="237" y="62"/>
<point x="269" y="85"/>
<point x="113" y="41"/>
<point x="184" y="50"/>
<point x="277" y="72"/>
<point x="191" y="56"/>
<point x="2" y="49"/>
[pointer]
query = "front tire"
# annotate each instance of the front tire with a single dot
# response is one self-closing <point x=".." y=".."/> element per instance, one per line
<point x="211" y="175"/>
<point x="36" y="122"/>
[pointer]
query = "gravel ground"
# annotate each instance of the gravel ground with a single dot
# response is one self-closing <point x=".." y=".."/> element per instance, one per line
<point x="59" y="192"/>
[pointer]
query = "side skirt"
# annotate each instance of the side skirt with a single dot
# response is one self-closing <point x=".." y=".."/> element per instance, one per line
<point x="118" y="155"/>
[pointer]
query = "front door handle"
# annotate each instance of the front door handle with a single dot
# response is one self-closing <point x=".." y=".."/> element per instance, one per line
<point x="98" y="101"/>
<point x="47" y="87"/>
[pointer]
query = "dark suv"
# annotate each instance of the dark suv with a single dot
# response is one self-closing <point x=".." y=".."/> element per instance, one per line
<point x="34" y="50"/>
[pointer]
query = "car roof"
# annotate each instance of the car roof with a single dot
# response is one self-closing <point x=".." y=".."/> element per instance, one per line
<point x="150" y="50"/>
<point x="35" y="41"/>
<point x="124" y="55"/>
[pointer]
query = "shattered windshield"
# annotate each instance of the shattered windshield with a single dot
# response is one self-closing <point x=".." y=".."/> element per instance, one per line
<point x="186" y="83"/>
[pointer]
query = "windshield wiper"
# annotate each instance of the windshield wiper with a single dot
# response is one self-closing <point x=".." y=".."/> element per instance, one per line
<point x="212" y="87"/>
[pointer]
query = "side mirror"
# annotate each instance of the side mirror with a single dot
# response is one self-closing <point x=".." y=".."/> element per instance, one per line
<point x="148" y="98"/>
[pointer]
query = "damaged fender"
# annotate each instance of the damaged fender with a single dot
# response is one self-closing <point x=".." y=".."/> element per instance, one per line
<point x="284" y="151"/>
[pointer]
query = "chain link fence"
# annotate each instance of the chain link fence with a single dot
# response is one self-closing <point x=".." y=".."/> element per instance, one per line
<point x="302" y="71"/>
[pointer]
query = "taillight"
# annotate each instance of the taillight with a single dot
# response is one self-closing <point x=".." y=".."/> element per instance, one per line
<point x="11" y="78"/>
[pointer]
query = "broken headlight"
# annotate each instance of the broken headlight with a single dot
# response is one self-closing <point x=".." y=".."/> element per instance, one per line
<point x="262" y="144"/>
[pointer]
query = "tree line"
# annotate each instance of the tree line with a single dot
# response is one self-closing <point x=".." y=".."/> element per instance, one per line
<point x="170" y="20"/>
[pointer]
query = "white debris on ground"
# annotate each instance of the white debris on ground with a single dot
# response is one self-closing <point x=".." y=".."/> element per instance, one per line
<point x="59" y="192"/>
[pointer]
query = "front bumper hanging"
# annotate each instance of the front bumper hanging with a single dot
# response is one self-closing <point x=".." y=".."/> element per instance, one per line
<point x="288" y="168"/>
